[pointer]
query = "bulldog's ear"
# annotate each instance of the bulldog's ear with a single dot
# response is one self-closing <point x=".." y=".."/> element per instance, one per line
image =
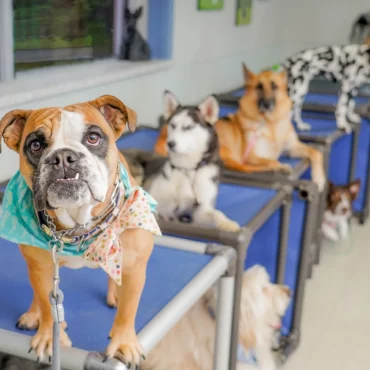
<point x="248" y="75"/>
<point x="209" y="109"/>
<point x="12" y="126"/>
<point x="170" y="104"/>
<point x="116" y="113"/>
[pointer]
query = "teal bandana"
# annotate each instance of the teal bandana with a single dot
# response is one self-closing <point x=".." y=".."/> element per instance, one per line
<point x="19" y="223"/>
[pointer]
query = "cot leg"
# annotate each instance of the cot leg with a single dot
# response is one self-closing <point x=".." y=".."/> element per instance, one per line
<point x="224" y="321"/>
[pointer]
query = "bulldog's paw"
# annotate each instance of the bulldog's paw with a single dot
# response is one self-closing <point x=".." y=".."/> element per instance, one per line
<point x="29" y="321"/>
<point x="42" y="342"/>
<point x="125" y="346"/>
<point x="343" y="124"/>
<point x="112" y="299"/>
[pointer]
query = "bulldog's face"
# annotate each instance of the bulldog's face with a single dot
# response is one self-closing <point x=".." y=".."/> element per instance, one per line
<point x="68" y="156"/>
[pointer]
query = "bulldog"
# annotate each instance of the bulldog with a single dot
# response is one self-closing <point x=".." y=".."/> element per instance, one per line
<point x="73" y="171"/>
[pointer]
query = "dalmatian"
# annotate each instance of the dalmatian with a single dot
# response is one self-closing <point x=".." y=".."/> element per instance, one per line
<point x="349" y="65"/>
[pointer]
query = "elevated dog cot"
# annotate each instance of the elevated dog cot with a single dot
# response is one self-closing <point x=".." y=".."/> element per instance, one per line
<point x="337" y="146"/>
<point x="265" y="235"/>
<point x="179" y="273"/>
<point x="325" y="105"/>
<point x="265" y="213"/>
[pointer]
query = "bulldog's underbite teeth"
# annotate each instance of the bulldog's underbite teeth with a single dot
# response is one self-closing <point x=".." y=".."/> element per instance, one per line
<point x="71" y="178"/>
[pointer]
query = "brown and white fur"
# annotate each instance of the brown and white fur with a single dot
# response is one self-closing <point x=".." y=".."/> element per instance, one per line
<point x="262" y="128"/>
<point x="190" y="343"/>
<point x="69" y="159"/>
<point x="338" y="211"/>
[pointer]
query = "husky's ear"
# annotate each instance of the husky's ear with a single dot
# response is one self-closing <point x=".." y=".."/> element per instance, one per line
<point x="170" y="104"/>
<point x="354" y="188"/>
<point x="248" y="75"/>
<point x="209" y="109"/>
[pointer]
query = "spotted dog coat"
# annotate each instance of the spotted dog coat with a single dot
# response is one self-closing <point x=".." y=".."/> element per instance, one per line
<point x="349" y="65"/>
<point x="186" y="185"/>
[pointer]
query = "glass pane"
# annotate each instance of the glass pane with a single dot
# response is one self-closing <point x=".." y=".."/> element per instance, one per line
<point x="51" y="32"/>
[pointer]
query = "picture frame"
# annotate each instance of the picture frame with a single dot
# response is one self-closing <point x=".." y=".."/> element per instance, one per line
<point x="210" y="4"/>
<point x="243" y="14"/>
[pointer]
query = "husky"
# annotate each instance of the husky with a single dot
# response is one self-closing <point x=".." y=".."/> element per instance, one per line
<point x="186" y="186"/>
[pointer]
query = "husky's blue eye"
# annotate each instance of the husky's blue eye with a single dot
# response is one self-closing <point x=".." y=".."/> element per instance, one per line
<point x="187" y="128"/>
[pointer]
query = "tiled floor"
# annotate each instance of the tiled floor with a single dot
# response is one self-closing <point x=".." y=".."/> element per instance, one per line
<point x="336" y="318"/>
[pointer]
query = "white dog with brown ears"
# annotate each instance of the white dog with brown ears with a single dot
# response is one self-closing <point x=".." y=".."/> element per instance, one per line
<point x="190" y="343"/>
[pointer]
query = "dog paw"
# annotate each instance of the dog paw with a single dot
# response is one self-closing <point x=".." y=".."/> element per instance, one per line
<point x="343" y="124"/>
<point x="29" y="321"/>
<point x="228" y="225"/>
<point x="112" y="300"/>
<point x="320" y="181"/>
<point x="303" y="126"/>
<point x="125" y="347"/>
<point x="42" y="342"/>
<point x="283" y="167"/>
<point x="354" y="118"/>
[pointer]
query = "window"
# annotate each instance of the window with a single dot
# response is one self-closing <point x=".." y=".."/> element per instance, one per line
<point x="41" y="33"/>
<point x="49" y="32"/>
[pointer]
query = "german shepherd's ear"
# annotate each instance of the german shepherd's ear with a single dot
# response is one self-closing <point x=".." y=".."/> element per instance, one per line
<point x="354" y="188"/>
<point x="248" y="75"/>
<point x="12" y="126"/>
<point x="170" y="104"/>
<point x="209" y="109"/>
<point x="283" y="74"/>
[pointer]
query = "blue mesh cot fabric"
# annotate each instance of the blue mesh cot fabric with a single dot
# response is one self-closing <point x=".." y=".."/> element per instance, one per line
<point x="89" y="318"/>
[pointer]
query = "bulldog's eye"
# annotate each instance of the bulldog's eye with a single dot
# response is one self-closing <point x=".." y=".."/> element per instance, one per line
<point x="35" y="146"/>
<point x="93" y="138"/>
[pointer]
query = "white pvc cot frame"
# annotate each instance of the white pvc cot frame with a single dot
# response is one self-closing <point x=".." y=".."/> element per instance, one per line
<point x="221" y="270"/>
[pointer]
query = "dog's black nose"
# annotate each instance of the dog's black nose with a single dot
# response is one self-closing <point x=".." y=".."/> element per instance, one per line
<point x="63" y="158"/>
<point x="171" y="144"/>
<point x="266" y="104"/>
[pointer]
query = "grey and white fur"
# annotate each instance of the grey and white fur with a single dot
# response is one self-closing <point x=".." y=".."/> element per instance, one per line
<point x="186" y="185"/>
<point x="349" y="65"/>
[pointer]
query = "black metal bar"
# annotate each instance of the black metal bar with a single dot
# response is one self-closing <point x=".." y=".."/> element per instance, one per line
<point x="283" y="239"/>
<point x="303" y="270"/>
<point x="241" y="256"/>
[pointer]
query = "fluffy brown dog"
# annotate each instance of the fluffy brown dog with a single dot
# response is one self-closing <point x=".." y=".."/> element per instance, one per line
<point x="260" y="131"/>
<point x="69" y="160"/>
<point x="190" y="344"/>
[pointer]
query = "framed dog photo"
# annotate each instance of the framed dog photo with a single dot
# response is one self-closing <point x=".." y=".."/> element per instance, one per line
<point x="210" y="4"/>
<point x="243" y="12"/>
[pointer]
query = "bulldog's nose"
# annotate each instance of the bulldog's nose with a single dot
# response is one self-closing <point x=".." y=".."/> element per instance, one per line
<point x="171" y="144"/>
<point x="63" y="158"/>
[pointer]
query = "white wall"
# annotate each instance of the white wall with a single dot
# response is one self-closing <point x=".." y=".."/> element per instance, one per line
<point x="208" y="50"/>
<point x="311" y="23"/>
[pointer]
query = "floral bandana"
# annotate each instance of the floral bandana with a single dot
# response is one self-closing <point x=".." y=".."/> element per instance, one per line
<point x="19" y="224"/>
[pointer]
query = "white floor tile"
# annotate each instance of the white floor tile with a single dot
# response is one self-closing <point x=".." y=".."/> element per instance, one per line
<point x="336" y="317"/>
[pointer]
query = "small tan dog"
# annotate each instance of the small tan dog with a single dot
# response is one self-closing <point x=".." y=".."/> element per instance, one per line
<point x="190" y="344"/>
<point x="70" y="162"/>
<point x="261" y="130"/>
